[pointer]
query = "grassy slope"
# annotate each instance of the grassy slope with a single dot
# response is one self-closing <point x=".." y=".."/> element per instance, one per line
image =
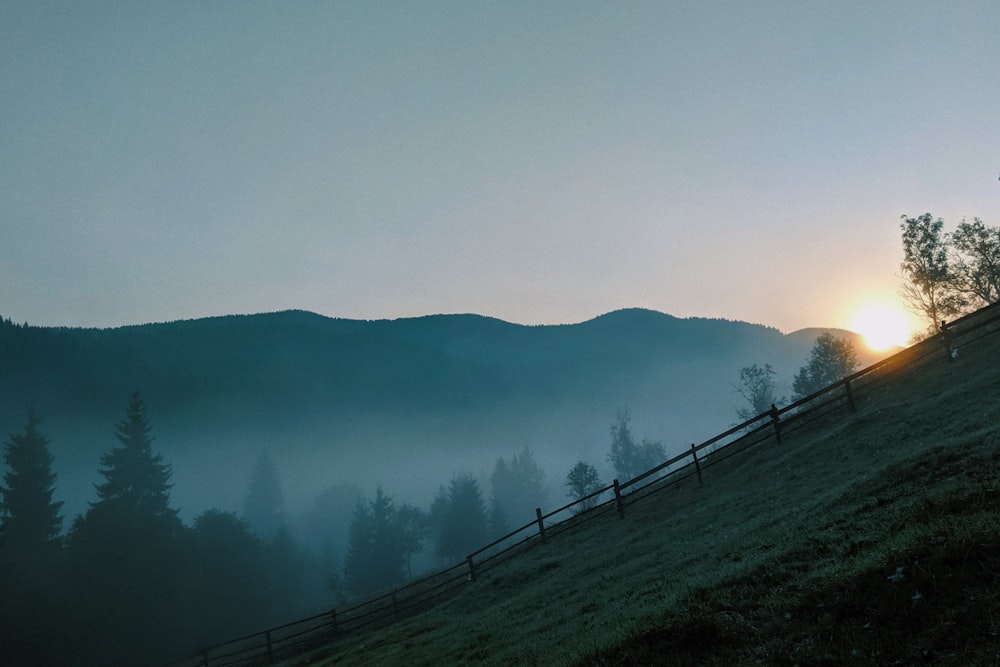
<point x="783" y="556"/>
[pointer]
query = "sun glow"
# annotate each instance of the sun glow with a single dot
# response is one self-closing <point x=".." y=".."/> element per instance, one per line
<point x="882" y="325"/>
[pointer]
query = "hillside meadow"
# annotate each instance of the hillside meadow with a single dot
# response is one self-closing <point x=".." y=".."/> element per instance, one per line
<point x="868" y="537"/>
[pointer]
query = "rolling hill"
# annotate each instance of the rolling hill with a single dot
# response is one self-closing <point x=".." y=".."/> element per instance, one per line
<point x="863" y="537"/>
<point x="404" y="403"/>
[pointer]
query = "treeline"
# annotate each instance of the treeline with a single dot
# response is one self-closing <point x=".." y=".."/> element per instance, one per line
<point x="383" y="537"/>
<point x="130" y="583"/>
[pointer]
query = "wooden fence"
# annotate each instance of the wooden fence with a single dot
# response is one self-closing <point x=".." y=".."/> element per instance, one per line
<point x="275" y="644"/>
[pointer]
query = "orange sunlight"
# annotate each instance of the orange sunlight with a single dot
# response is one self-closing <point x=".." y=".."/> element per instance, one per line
<point x="883" y="325"/>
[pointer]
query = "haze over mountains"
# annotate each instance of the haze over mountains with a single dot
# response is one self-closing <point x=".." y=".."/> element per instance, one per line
<point x="402" y="403"/>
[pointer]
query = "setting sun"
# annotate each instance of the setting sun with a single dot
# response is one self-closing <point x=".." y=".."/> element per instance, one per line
<point x="882" y="325"/>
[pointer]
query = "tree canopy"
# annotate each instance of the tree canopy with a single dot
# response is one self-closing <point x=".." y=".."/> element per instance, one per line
<point x="757" y="387"/>
<point x="830" y="360"/>
<point x="975" y="261"/>
<point x="629" y="458"/>
<point x="581" y="481"/>
<point x="945" y="274"/>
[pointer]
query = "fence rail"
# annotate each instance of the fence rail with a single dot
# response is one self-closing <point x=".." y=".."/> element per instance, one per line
<point x="284" y="641"/>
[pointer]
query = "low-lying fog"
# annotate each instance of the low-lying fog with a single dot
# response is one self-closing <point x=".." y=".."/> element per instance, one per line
<point x="409" y="459"/>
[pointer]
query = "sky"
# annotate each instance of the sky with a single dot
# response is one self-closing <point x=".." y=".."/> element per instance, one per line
<point x="539" y="162"/>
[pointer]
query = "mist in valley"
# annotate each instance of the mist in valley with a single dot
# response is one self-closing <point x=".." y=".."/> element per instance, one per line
<point x="285" y="433"/>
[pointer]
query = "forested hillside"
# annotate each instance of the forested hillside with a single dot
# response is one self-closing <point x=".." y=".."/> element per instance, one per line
<point x="866" y="533"/>
<point x="258" y="437"/>
<point x="315" y="390"/>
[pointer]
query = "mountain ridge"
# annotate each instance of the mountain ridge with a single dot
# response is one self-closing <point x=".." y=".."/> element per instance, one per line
<point x="445" y="392"/>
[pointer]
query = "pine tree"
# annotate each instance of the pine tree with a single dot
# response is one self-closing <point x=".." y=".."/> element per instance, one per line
<point x="30" y="560"/>
<point x="127" y="554"/>
<point x="460" y="519"/>
<point x="376" y="551"/>
<point x="226" y="556"/>
<point x="518" y="488"/>
<point x="264" y="500"/>
<point x="30" y="519"/>
<point x="135" y="477"/>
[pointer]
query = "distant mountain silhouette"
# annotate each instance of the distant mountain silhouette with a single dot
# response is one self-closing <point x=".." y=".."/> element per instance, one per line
<point x="369" y="400"/>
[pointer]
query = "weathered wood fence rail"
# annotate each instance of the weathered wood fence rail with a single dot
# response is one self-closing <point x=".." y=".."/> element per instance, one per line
<point x="275" y="644"/>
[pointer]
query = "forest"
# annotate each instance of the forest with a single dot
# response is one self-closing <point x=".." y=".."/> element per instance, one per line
<point x="129" y="582"/>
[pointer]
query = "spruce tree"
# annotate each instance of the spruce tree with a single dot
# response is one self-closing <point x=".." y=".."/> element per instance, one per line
<point x="264" y="500"/>
<point x="30" y="560"/>
<point x="135" y="477"/>
<point x="377" y="546"/>
<point x="127" y="556"/>
<point x="460" y="518"/>
<point x="31" y="519"/>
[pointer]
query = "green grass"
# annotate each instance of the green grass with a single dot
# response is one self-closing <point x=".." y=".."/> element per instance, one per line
<point x="782" y="557"/>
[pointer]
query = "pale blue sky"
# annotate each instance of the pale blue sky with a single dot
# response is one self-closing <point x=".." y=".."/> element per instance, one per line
<point x="541" y="162"/>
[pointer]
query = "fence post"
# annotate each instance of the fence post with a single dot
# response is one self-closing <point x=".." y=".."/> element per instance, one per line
<point x="618" y="501"/>
<point x="697" y="466"/>
<point x="776" y="422"/>
<point x="333" y="620"/>
<point x="541" y="524"/>
<point x="472" y="568"/>
<point x="946" y="339"/>
<point x="270" y="649"/>
<point x="850" y="395"/>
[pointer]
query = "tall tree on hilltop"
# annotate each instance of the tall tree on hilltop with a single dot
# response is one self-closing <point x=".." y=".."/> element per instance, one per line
<point x="975" y="257"/>
<point x="31" y="519"/>
<point x="928" y="281"/>
<point x="264" y="500"/>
